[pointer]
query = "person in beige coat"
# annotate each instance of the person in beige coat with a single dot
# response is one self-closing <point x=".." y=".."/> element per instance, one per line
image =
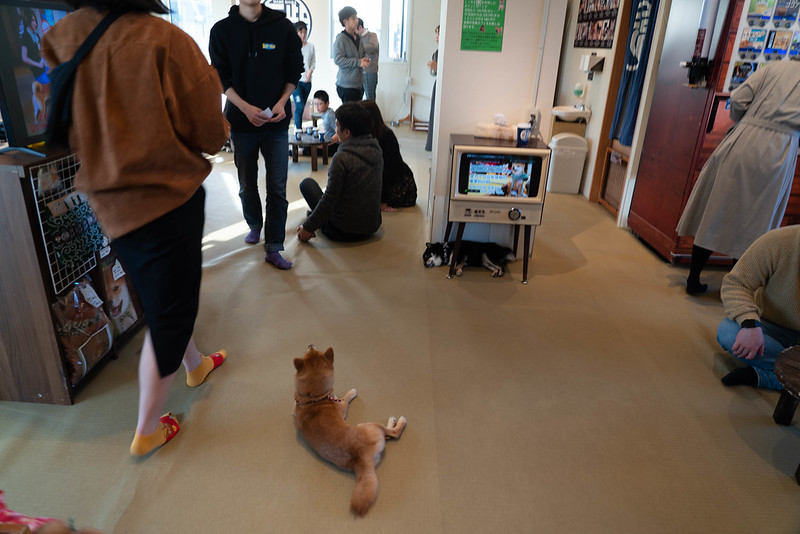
<point x="743" y="189"/>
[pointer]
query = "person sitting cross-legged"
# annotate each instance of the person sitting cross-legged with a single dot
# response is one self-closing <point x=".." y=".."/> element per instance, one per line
<point x="761" y="296"/>
<point x="350" y="207"/>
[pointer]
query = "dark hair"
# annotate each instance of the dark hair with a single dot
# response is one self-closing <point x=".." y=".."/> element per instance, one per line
<point x="322" y="95"/>
<point x="345" y="13"/>
<point x="354" y="117"/>
<point x="378" y="126"/>
<point x="143" y="6"/>
<point x="28" y="17"/>
<point x="360" y="23"/>
<point x="300" y="25"/>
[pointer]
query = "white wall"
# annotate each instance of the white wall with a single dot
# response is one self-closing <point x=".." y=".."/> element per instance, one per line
<point x="475" y="85"/>
<point x="597" y="91"/>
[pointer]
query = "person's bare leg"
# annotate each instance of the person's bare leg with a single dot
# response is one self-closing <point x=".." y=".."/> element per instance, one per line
<point x="198" y="366"/>
<point x="192" y="357"/>
<point x="151" y="430"/>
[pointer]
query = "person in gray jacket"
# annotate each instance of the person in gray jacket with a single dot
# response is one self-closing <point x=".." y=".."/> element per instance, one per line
<point x="350" y="207"/>
<point x="348" y="54"/>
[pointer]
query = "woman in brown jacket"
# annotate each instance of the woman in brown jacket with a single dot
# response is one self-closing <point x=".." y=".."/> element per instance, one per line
<point x="146" y="105"/>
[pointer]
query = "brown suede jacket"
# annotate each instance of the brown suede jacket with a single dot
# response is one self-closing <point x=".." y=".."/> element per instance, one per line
<point x="146" y="106"/>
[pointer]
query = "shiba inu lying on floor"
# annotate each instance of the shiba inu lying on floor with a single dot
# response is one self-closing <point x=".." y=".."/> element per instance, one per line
<point x="490" y="255"/>
<point x="320" y="416"/>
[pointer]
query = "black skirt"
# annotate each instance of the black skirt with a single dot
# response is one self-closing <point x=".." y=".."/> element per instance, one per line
<point x="164" y="261"/>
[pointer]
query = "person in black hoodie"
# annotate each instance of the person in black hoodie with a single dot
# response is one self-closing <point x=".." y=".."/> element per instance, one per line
<point x="257" y="54"/>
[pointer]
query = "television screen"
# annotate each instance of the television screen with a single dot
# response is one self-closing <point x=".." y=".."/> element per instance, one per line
<point x="499" y="175"/>
<point x="24" y="85"/>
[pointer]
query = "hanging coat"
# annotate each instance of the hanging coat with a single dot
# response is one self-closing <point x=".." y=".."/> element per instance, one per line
<point x="743" y="188"/>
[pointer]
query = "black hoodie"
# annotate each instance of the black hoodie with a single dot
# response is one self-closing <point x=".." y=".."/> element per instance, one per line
<point x="257" y="59"/>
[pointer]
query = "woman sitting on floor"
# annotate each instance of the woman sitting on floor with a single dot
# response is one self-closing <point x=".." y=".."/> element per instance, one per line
<point x="399" y="189"/>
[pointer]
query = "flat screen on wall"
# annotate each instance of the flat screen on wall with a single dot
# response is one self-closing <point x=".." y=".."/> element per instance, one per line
<point x="24" y="85"/>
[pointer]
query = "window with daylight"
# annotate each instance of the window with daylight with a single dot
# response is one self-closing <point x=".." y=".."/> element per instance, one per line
<point x="193" y="17"/>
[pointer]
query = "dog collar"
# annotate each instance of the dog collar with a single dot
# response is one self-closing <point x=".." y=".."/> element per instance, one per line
<point x="329" y="396"/>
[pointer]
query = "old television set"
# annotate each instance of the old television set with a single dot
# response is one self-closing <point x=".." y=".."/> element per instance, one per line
<point x="24" y="85"/>
<point x="494" y="181"/>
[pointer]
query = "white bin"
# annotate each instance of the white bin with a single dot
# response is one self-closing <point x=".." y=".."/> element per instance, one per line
<point x="568" y="155"/>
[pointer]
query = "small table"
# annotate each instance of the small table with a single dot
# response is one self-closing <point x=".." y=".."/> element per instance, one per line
<point x="314" y="144"/>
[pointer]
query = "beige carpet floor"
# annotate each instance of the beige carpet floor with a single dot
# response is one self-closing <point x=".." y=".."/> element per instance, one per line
<point x="587" y="401"/>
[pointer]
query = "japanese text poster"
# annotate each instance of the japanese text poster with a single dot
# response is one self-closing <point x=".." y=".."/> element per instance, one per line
<point x="482" y="25"/>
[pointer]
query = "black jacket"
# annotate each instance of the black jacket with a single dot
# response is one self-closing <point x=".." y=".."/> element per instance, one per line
<point x="257" y="59"/>
<point x="352" y="198"/>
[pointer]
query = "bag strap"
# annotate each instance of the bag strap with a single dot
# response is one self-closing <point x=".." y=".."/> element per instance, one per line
<point x="90" y="41"/>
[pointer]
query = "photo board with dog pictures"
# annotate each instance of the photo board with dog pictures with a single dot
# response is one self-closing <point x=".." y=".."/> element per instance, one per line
<point x="597" y="23"/>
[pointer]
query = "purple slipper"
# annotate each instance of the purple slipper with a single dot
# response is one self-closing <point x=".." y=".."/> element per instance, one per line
<point x="253" y="237"/>
<point x="278" y="261"/>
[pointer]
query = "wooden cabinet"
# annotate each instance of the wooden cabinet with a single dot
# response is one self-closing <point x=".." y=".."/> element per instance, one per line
<point x="684" y="127"/>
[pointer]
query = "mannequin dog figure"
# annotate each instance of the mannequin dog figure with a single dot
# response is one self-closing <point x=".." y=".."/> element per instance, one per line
<point x="490" y="255"/>
<point x="320" y="416"/>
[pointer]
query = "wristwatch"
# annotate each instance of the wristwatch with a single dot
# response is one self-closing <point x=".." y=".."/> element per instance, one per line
<point x="751" y="323"/>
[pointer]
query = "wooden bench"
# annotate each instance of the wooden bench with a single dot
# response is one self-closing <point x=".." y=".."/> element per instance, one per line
<point x="787" y="370"/>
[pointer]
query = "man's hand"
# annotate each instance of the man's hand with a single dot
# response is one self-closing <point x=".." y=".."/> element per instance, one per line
<point x="304" y="235"/>
<point x="253" y="114"/>
<point x="749" y="343"/>
<point x="278" y="111"/>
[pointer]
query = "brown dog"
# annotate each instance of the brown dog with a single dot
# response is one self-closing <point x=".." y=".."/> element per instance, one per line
<point x="320" y="418"/>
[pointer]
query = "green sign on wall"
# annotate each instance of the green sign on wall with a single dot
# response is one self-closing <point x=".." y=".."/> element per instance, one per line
<point x="482" y="25"/>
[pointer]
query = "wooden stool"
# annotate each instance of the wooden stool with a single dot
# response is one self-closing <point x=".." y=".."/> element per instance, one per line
<point x="787" y="370"/>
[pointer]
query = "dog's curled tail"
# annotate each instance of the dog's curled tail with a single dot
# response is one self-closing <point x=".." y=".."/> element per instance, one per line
<point x="366" y="491"/>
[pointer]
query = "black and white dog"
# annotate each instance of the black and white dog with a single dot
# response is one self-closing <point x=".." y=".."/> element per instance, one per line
<point x="490" y="255"/>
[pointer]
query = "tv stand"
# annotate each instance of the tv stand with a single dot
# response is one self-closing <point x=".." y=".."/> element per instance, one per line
<point x="460" y="233"/>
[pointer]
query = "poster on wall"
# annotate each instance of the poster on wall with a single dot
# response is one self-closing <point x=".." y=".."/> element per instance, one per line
<point x="597" y="22"/>
<point x="482" y="25"/>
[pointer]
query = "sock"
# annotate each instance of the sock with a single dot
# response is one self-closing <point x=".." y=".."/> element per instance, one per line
<point x="209" y="363"/>
<point x="741" y="376"/>
<point x="694" y="287"/>
<point x="700" y="257"/>
<point x="167" y="428"/>
<point x="278" y="261"/>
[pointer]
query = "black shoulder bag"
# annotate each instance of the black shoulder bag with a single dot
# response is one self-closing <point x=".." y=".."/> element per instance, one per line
<point x="62" y="82"/>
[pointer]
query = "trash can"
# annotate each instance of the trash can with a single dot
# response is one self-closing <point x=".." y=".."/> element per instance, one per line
<point x="567" y="157"/>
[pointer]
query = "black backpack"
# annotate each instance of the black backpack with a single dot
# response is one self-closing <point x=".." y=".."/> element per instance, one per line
<point x="62" y="82"/>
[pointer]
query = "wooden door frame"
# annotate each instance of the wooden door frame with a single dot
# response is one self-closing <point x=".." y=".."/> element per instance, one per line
<point x="617" y="66"/>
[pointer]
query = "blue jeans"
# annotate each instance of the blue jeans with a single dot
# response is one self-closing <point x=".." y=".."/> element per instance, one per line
<point x="274" y="146"/>
<point x="370" y="85"/>
<point x="776" y="339"/>
<point x="300" y="97"/>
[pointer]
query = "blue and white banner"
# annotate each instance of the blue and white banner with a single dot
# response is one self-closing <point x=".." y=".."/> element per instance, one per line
<point x="640" y="36"/>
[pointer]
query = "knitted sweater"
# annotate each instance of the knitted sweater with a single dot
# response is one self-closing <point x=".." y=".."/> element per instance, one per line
<point x="765" y="282"/>
<point x="146" y="105"/>
<point x="352" y="198"/>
